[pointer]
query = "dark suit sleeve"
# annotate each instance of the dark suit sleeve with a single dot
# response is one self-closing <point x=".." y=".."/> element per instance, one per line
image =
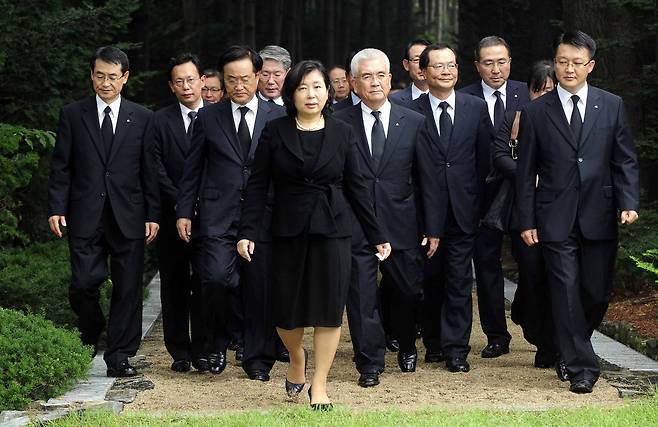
<point x="427" y="184"/>
<point x="149" y="177"/>
<point x="188" y="191"/>
<point x="154" y="136"/>
<point x="358" y="194"/>
<point x="625" y="177"/>
<point x="526" y="173"/>
<point x="256" y="193"/>
<point x="59" y="183"/>
<point x="485" y="136"/>
<point x="500" y="150"/>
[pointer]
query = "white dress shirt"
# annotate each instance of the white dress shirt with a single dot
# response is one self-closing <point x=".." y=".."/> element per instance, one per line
<point x="278" y="100"/>
<point x="567" y="103"/>
<point x="114" y="114"/>
<point x="436" y="110"/>
<point x="415" y="92"/>
<point x="184" y="111"/>
<point x="250" y="117"/>
<point x="489" y="96"/>
<point x="369" y="120"/>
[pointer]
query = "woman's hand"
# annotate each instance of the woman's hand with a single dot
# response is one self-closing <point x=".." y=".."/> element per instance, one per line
<point x="384" y="250"/>
<point x="246" y="249"/>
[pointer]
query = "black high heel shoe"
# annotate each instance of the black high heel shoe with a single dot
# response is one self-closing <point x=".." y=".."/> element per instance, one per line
<point x="293" y="390"/>
<point x="319" y="406"/>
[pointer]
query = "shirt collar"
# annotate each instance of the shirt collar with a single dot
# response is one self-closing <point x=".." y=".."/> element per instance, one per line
<point x="565" y="95"/>
<point x="185" y="110"/>
<point x="434" y="101"/>
<point x="252" y="105"/>
<point x="278" y="100"/>
<point x="415" y="92"/>
<point x="115" y="105"/>
<point x="488" y="91"/>
<point x="355" y="98"/>
<point x="385" y="109"/>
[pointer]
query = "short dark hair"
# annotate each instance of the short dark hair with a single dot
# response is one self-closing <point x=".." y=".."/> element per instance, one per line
<point x="211" y="72"/>
<point x="236" y="53"/>
<point x="294" y="79"/>
<point x="423" y="42"/>
<point x="577" y="39"/>
<point x="491" y="41"/>
<point x="540" y="72"/>
<point x="340" y="67"/>
<point x="424" y="60"/>
<point x="112" y="55"/>
<point x="348" y="61"/>
<point x="183" y="58"/>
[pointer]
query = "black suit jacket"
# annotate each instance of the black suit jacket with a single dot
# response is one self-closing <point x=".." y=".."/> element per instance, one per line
<point x="344" y="103"/>
<point x="516" y="93"/>
<point x="402" y="97"/>
<point x="587" y="181"/>
<point x="82" y="178"/>
<point x="216" y="173"/>
<point x="309" y="201"/>
<point x="460" y="168"/>
<point x="393" y="182"/>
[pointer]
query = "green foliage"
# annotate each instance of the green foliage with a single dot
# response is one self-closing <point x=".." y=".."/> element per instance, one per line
<point x="38" y="360"/>
<point x="20" y="152"/>
<point x="634" y="241"/>
<point x="36" y="279"/>
<point x="44" y="53"/>
<point x="647" y="261"/>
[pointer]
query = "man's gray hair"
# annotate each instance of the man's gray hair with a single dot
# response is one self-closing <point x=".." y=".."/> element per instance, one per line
<point x="368" y="54"/>
<point x="276" y="53"/>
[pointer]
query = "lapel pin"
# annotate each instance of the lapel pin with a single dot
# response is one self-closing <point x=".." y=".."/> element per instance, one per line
<point x="397" y="124"/>
<point x="596" y="106"/>
<point x="516" y="96"/>
<point x="127" y="120"/>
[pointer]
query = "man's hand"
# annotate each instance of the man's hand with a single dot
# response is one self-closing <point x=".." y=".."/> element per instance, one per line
<point x="530" y="237"/>
<point x="55" y="221"/>
<point x="184" y="227"/>
<point x="384" y="250"/>
<point x="434" y="245"/>
<point x="246" y="249"/>
<point x="627" y="217"/>
<point x="150" y="231"/>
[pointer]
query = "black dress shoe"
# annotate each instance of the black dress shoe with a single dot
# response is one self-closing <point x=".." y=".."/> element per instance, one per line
<point x="319" y="406"/>
<point x="458" y="364"/>
<point x="293" y="389"/>
<point x="122" y="371"/>
<point x="495" y="350"/>
<point x="434" y="357"/>
<point x="201" y="364"/>
<point x="239" y="355"/>
<point x="582" y="386"/>
<point x="407" y="361"/>
<point x="392" y="344"/>
<point x="180" y="365"/>
<point x="545" y="359"/>
<point x="259" y="376"/>
<point x="283" y="356"/>
<point x="561" y="370"/>
<point x="369" y="379"/>
<point x="217" y="362"/>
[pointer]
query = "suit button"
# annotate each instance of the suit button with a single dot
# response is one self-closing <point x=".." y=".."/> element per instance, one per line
<point x="107" y="174"/>
<point x="447" y="165"/>
<point x="580" y="159"/>
<point x="376" y="179"/>
<point x="245" y="170"/>
<point x="103" y="194"/>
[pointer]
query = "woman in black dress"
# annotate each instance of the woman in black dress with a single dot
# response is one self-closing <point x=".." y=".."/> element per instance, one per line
<point x="312" y="161"/>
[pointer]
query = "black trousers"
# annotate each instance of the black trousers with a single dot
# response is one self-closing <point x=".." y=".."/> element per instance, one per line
<point x="89" y="270"/>
<point x="433" y="295"/>
<point x="531" y="308"/>
<point x="580" y="276"/>
<point x="180" y="294"/>
<point x="235" y="319"/>
<point x="490" y="285"/>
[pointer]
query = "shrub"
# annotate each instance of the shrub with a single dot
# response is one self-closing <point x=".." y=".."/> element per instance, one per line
<point x="634" y="241"/>
<point x="38" y="360"/>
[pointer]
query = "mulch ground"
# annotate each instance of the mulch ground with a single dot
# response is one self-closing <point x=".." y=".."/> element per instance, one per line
<point x="639" y="310"/>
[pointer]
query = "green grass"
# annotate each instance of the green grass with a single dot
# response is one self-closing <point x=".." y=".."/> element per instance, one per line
<point x="637" y="413"/>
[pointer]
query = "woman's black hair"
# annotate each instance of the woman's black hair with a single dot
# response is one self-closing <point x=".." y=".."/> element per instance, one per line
<point x="294" y="79"/>
<point x="539" y="73"/>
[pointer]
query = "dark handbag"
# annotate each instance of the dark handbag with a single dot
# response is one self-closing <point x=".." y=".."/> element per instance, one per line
<point x="500" y="211"/>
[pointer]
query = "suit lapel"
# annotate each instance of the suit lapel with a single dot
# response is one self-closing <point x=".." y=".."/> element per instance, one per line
<point x="395" y="125"/>
<point x="226" y="124"/>
<point x="591" y="113"/>
<point x="329" y="145"/>
<point x="124" y="124"/>
<point x="261" y="119"/>
<point x="426" y="109"/>
<point x="555" y="113"/>
<point x="177" y="126"/>
<point x="90" y="119"/>
<point x="512" y="97"/>
<point x="356" y="117"/>
<point x="461" y="116"/>
<point x="289" y="138"/>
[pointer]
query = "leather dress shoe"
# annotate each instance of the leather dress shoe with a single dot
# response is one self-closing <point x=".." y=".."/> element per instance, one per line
<point x="283" y="356"/>
<point x="293" y="389"/>
<point x="201" y="364"/>
<point x="434" y="356"/>
<point x="457" y="364"/>
<point x="239" y="355"/>
<point x="581" y="386"/>
<point x="544" y="359"/>
<point x="123" y="370"/>
<point x="217" y="362"/>
<point x="407" y="361"/>
<point x="259" y="376"/>
<point x="180" y="365"/>
<point x="561" y="370"/>
<point x="495" y="350"/>
<point x="319" y="406"/>
<point x="392" y="344"/>
<point x="369" y="379"/>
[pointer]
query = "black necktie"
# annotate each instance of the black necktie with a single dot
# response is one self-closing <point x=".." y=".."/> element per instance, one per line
<point x="190" y="128"/>
<point x="107" y="133"/>
<point x="377" y="138"/>
<point x="445" y="125"/>
<point x="499" y="110"/>
<point x="243" y="132"/>
<point x="576" y="121"/>
<point x="271" y="100"/>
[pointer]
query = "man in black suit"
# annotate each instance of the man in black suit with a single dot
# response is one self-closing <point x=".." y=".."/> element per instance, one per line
<point x="353" y="97"/>
<point x="456" y="138"/>
<point x="577" y="171"/>
<point x="493" y="62"/>
<point x="209" y="202"/>
<point x="276" y="64"/>
<point x="169" y="138"/>
<point x="102" y="188"/>
<point x="418" y="84"/>
<point x="387" y="144"/>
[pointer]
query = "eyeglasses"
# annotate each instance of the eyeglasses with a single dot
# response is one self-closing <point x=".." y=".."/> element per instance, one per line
<point x="491" y="63"/>
<point x="211" y="89"/>
<point x="563" y="63"/>
<point x="190" y="81"/>
<point x="234" y="81"/>
<point x="100" y="77"/>
<point x="371" y="77"/>
<point x="339" y="81"/>
<point x="450" y="66"/>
